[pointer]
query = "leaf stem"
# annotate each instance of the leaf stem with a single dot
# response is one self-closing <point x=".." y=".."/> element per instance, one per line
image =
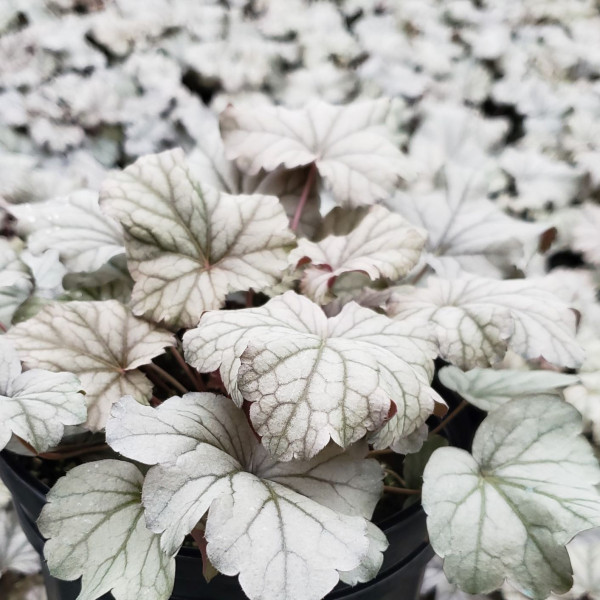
<point x="304" y="197"/>
<point x="419" y="275"/>
<point x="168" y="377"/>
<point x="193" y="377"/>
<point x="2" y="327"/>
<point x="449" y="418"/>
<point x="384" y="452"/>
<point x="68" y="452"/>
<point x="249" y="298"/>
<point x="64" y="455"/>
<point x="401" y="491"/>
<point x="395" y="475"/>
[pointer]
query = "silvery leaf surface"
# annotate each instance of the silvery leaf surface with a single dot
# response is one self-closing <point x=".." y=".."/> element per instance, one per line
<point x="15" y="282"/>
<point x="73" y="225"/>
<point x="188" y="244"/>
<point x="489" y="389"/>
<point x="476" y="319"/>
<point x="465" y="228"/>
<point x="36" y="405"/>
<point x="94" y="524"/>
<point x="311" y="379"/>
<point x="435" y="580"/>
<point x="507" y="510"/>
<point x="102" y="343"/>
<point x="383" y="244"/>
<point x="350" y="145"/>
<point x="208" y="164"/>
<point x="287" y="529"/>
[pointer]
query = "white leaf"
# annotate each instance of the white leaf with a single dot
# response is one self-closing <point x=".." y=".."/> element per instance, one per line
<point x="466" y="228"/>
<point x="176" y="427"/>
<point x="489" y="389"/>
<point x="15" y="283"/>
<point x="370" y="565"/>
<point x="47" y="272"/>
<point x="541" y="180"/>
<point x="584" y="552"/>
<point x="476" y="319"/>
<point x="188" y="245"/>
<point x="94" y="525"/>
<point x="585" y="397"/>
<point x="435" y="579"/>
<point x="453" y="133"/>
<point x="208" y="164"/>
<point x="587" y="233"/>
<point x="381" y="245"/>
<point x="508" y="510"/>
<point x="16" y="553"/>
<point x="287" y="529"/>
<point x="36" y="405"/>
<point x="102" y="343"/>
<point x="312" y="379"/>
<point x="74" y="225"/>
<point x="349" y="144"/>
<point x="282" y="544"/>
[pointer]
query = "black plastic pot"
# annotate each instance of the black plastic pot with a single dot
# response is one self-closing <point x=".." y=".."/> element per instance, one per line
<point x="399" y="578"/>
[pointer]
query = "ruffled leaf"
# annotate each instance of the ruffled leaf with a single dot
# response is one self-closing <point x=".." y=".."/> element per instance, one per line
<point x="476" y="319"/>
<point x="102" y="343"/>
<point x="189" y="245"/>
<point x="36" y="405"/>
<point x="287" y="529"/>
<point x="350" y="145"/>
<point x="312" y="379"/>
<point x="381" y="245"/>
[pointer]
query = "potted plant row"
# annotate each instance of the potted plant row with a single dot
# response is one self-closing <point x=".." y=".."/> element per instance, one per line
<point x="229" y="376"/>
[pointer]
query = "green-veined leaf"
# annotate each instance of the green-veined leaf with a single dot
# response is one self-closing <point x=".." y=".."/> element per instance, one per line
<point x="102" y="343"/>
<point x="188" y="244"/>
<point x="94" y="524"/>
<point x="507" y="511"/>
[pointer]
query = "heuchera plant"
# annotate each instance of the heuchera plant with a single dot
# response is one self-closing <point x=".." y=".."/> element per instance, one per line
<point x="302" y="348"/>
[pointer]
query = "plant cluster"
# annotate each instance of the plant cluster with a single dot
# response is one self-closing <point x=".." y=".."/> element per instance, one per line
<point x="294" y="350"/>
<point x="240" y="322"/>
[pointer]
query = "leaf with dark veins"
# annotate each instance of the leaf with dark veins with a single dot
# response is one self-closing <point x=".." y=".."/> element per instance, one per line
<point x="350" y="145"/>
<point x="94" y="524"/>
<point x="290" y="530"/>
<point x="188" y="244"/>
<point x="15" y="283"/>
<point x="382" y="244"/>
<point x="465" y="229"/>
<point x="312" y="379"/>
<point x="476" y="319"/>
<point x="102" y="343"/>
<point x="36" y="405"/>
<point x="85" y="238"/>
<point x="208" y="164"/>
